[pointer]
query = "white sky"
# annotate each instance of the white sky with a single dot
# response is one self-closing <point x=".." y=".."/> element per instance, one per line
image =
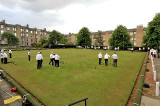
<point x="71" y="15"/>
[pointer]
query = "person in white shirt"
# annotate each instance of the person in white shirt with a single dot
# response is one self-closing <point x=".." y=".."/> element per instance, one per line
<point x="106" y="56"/>
<point x="151" y="51"/>
<point x="100" y="58"/>
<point x="57" y="60"/>
<point x="118" y="48"/>
<point x="10" y="53"/>
<point x="115" y="59"/>
<point x="52" y="58"/>
<point x="29" y="55"/>
<point x="2" y="57"/>
<point x="139" y="49"/>
<point x="39" y="59"/>
<point x="154" y="53"/>
<point x="132" y="49"/>
<point x="5" y="58"/>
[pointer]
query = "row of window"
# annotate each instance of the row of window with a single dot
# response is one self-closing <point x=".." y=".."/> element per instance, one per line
<point x="22" y="30"/>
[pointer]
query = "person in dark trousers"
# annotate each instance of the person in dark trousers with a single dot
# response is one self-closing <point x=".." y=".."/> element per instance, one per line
<point x="52" y="58"/>
<point x="39" y="59"/>
<point x="57" y="60"/>
<point x="106" y="56"/>
<point x="115" y="59"/>
<point x="10" y="53"/>
<point x="2" y="57"/>
<point x="5" y="58"/>
<point x="100" y="58"/>
<point x="29" y="55"/>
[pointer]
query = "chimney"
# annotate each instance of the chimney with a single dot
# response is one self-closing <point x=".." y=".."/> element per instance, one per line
<point x="3" y="21"/>
<point x="27" y="26"/>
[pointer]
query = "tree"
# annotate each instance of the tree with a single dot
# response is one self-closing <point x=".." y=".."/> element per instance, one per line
<point x="152" y="36"/>
<point x="120" y="38"/>
<point x="99" y="39"/>
<point x="43" y="40"/>
<point x="55" y="38"/>
<point x="84" y="37"/>
<point x="11" y="38"/>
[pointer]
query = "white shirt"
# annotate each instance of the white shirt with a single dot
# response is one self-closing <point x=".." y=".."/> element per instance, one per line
<point x="131" y="48"/>
<point x="39" y="57"/>
<point x="154" y="52"/>
<point x="29" y="53"/>
<point x="106" y="56"/>
<point x="52" y="56"/>
<point x="139" y="49"/>
<point x="114" y="56"/>
<point x="2" y="55"/>
<point x="10" y="51"/>
<point x="99" y="55"/>
<point x="5" y="55"/>
<point x="56" y="57"/>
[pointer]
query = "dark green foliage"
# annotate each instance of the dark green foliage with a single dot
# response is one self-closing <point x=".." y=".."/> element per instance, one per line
<point x="84" y="37"/>
<point x="99" y="39"/>
<point x="11" y="39"/>
<point x="56" y="38"/>
<point x="120" y="38"/>
<point x="152" y="36"/>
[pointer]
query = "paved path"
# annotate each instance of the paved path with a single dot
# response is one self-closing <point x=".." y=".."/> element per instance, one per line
<point x="157" y="66"/>
<point x="147" y="101"/>
<point x="5" y="93"/>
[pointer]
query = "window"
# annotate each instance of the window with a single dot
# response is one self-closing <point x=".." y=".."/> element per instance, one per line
<point x="15" y="34"/>
<point x="131" y="33"/>
<point x="26" y="30"/>
<point x="134" y="33"/>
<point x="135" y="43"/>
<point x="2" y="31"/>
<point x="8" y="28"/>
<point x="2" y="26"/>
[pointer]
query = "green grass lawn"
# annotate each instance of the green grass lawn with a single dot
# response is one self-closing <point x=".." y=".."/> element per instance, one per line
<point x="79" y="77"/>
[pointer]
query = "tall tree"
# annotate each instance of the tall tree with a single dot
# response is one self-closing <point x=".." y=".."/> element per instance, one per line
<point x="99" y="39"/>
<point x="55" y="38"/>
<point x="120" y="38"/>
<point x="84" y="37"/>
<point x="152" y="36"/>
<point x="11" y="38"/>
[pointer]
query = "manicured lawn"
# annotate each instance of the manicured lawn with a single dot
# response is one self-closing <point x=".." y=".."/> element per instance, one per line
<point x="79" y="77"/>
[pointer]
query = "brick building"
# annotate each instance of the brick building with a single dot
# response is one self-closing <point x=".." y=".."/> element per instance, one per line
<point x="25" y="34"/>
<point x="136" y="35"/>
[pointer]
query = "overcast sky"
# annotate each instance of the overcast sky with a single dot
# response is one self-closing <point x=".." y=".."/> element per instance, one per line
<point x="71" y="15"/>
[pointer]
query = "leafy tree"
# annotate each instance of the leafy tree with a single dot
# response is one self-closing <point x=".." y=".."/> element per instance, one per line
<point x="99" y="39"/>
<point x="120" y="38"/>
<point x="84" y="37"/>
<point x="43" y="40"/>
<point x="11" y="38"/>
<point x="152" y="36"/>
<point x="56" y="38"/>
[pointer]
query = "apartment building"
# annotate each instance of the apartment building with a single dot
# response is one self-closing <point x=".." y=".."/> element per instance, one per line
<point x="25" y="34"/>
<point x="136" y="35"/>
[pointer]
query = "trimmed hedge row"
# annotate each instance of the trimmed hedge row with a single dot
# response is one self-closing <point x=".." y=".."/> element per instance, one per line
<point x="137" y="99"/>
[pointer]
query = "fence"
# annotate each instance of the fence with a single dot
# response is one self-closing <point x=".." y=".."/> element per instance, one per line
<point x="85" y="102"/>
